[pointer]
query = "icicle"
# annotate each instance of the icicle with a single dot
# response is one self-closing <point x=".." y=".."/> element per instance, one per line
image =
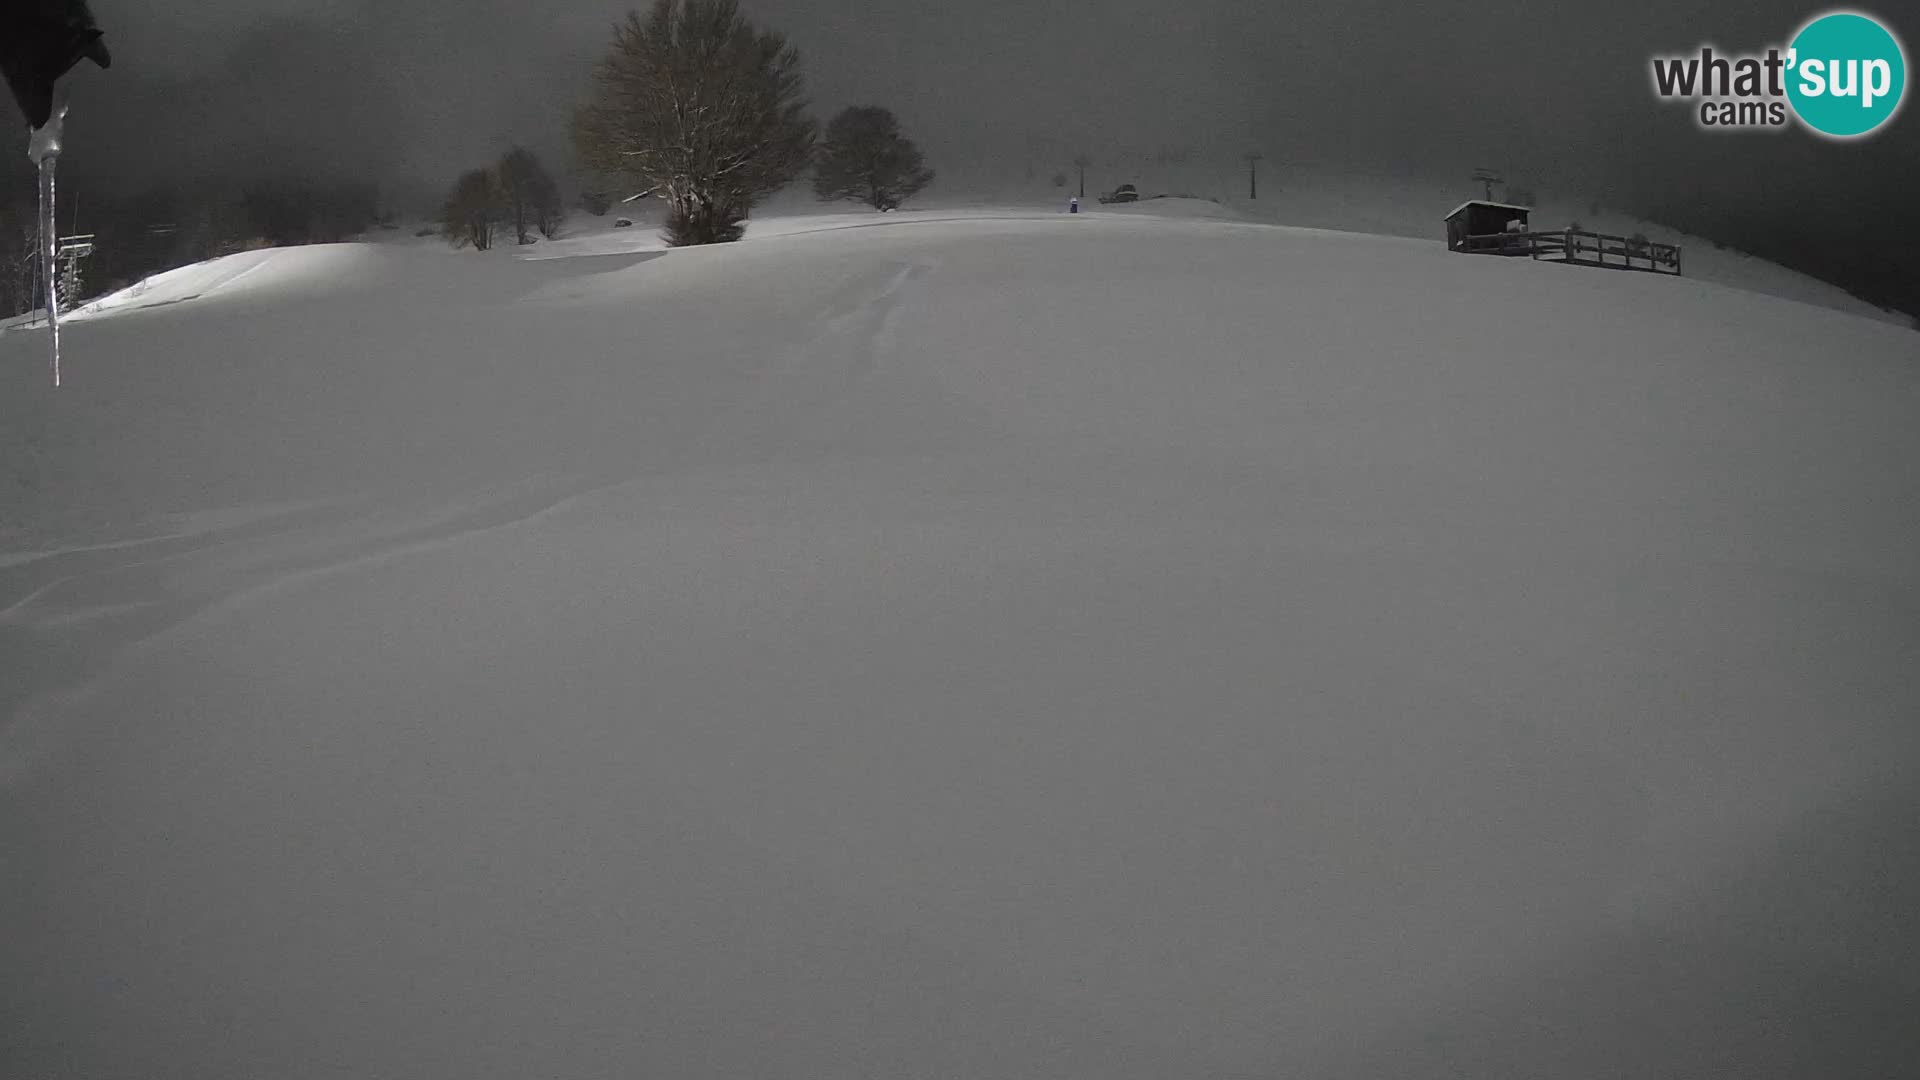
<point x="49" y="260"/>
<point x="44" y="149"/>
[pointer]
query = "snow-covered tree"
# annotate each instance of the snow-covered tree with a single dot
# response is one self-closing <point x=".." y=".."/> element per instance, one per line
<point x="697" y="107"/>
<point x="865" y="158"/>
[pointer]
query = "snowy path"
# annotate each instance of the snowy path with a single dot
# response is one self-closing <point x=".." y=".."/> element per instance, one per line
<point x="1097" y="649"/>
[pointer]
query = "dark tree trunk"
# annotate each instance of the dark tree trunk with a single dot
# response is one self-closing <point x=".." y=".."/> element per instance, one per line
<point x="694" y="220"/>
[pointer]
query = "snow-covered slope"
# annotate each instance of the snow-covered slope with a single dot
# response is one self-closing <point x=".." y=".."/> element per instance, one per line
<point x="999" y="646"/>
<point x="1315" y="197"/>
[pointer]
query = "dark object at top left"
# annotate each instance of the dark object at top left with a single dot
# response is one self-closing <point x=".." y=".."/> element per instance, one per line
<point x="41" y="40"/>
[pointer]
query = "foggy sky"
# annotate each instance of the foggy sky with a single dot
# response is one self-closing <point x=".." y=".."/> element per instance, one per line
<point x="1554" y="90"/>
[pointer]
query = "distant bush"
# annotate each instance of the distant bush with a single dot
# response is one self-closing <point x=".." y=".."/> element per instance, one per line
<point x="596" y="203"/>
<point x="1059" y="179"/>
<point x="473" y="207"/>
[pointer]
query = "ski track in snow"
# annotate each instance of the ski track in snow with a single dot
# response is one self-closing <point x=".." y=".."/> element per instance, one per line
<point x="76" y="638"/>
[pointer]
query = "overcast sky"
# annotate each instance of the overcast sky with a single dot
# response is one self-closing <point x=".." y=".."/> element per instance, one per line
<point x="1556" y="90"/>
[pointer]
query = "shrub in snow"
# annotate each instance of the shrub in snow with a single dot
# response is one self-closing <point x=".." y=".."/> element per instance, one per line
<point x="472" y="209"/>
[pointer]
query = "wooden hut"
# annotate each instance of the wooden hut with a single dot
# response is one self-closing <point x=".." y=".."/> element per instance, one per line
<point x="1478" y="217"/>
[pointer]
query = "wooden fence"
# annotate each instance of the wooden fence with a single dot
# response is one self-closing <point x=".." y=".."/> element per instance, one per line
<point x="1581" y="248"/>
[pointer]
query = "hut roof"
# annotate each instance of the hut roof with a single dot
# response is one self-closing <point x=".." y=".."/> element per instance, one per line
<point x="1483" y="202"/>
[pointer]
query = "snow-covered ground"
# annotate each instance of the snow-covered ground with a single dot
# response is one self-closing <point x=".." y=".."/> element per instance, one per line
<point x="1311" y="196"/>
<point x="987" y="644"/>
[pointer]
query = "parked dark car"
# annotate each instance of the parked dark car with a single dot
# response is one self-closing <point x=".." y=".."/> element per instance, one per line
<point x="1122" y="194"/>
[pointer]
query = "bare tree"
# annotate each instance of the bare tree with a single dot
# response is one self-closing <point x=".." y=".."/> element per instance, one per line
<point x="531" y="196"/>
<point x="552" y="216"/>
<point x="696" y="106"/>
<point x="472" y="209"/>
<point x="864" y="157"/>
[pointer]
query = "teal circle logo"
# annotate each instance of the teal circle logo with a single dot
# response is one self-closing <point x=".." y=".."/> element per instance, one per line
<point x="1848" y="74"/>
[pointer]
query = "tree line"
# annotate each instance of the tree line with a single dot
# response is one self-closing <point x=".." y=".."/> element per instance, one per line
<point x="692" y="105"/>
<point x="175" y="223"/>
<point x="516" y="191"/>
<point x="697" y="107"/>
